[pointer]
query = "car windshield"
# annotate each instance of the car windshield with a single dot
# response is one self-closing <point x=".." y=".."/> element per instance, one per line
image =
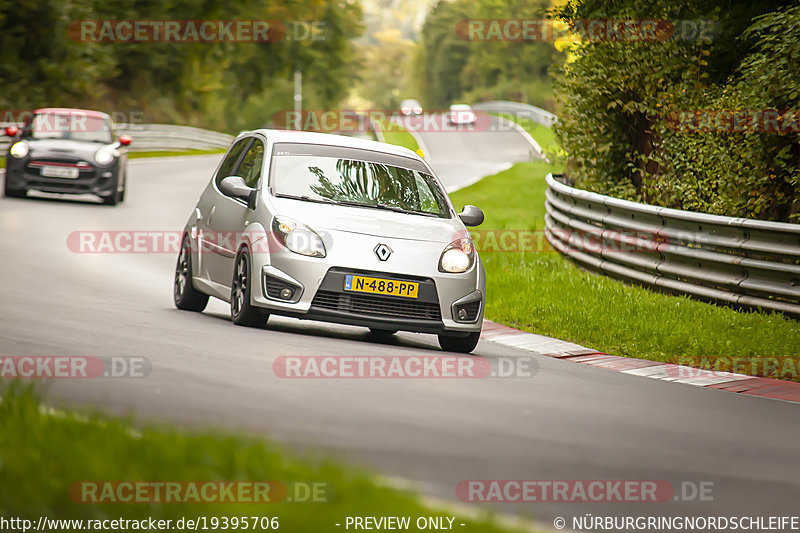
<point x="350" y="176"/>
<point x="74" y="126"/>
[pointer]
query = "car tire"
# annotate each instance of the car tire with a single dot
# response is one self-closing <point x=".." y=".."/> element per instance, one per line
<point x="10" y="192"/>
<point x="465" y="344"/>
<point x="184" y="294"/>
<point x="243" y="313"/>
<point x="113" y="198"/>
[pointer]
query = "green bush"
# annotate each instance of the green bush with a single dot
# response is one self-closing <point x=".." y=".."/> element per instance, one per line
<point x="621" y="100"/>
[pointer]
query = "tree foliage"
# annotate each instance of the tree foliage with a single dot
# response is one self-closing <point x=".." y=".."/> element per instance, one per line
<point x="221" y="85"/>
<point x="621" y="99"/>
<point x="451" y="68"/>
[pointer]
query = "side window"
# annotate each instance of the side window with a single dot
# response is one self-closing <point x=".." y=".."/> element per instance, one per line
<point x="250" y="167"/>
<point x="227" y="165"/>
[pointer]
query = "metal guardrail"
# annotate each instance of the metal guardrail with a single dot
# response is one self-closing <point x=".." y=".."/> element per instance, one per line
<point x="160" y="137"/>
<point x="536" y="114"/>
<point x="729" y="260"/>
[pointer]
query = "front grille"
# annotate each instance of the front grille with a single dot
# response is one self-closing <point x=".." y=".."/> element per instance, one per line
<point x="33" y="169"/>
<point x="472" y="309"/>
<point x="382" y="306"/>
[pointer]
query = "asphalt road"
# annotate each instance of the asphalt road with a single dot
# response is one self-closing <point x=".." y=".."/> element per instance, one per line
<point x="568" y="421"/>
<point x="462" y="155"/>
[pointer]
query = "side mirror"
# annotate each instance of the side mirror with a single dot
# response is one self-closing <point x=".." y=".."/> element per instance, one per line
<point x="11" y="131"/>
<point x="236" y="187"/>
<point x="471" y="216"/>
<point x="124" y="140"/>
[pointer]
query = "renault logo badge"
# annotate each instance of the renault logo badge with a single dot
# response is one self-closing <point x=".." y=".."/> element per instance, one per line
<point x="383" y="252"/>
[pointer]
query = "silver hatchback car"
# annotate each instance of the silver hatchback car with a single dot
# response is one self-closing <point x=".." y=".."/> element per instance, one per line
<point x="333" y="228"/>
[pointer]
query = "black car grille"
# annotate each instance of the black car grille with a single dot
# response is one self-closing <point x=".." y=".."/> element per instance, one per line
<point x="376" y="306"/>
<point x="33" y="169"/>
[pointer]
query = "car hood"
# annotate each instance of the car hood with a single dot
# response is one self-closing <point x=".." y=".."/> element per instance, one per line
<point x="63" y="149"/>
<point x="366" y="221"/>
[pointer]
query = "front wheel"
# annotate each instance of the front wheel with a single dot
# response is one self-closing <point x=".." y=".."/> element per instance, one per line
<point x="243" y="313"/>
<point x="465" y="344"/>
<point x="10" y="192"/>
<point x="184" y="294"/>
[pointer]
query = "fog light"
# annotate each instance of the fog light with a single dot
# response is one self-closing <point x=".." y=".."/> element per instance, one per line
<point x="462" y="314"/>
<point x="286" y="293"/>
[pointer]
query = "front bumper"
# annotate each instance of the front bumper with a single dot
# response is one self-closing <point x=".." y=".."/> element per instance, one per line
<point x="317" y="286"/>
<point x="25" y="174"/>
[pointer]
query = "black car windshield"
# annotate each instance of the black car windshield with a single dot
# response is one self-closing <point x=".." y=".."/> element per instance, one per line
<point x="357" y="177"/>
<point x="74" y="126"/>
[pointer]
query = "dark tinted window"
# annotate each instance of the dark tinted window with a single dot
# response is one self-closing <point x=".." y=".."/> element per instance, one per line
<point x="73" y="125"/>
<point x="230" y="160"/>
<point x="355" y="177"/>
<point x="250" y="167"/>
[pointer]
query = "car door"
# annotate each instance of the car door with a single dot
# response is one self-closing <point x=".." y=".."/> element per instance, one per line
<point x="231" y="215"/>
<point x="207" y="207"/>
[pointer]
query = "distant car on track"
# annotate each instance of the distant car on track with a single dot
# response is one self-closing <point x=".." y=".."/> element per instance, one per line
<point x="410" y="108"/>
<point x="333" y="228"/>
<point x="71" y="151"/>
<point x="460" y="115"/>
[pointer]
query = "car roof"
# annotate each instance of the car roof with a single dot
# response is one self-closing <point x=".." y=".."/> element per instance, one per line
<point x="460" y="106"/>
<point x="329" y="139"/>
<point x="68" y="110"/>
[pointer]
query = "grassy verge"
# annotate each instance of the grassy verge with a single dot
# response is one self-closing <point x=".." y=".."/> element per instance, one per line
<point x="396" y="134"/>
<point x="541" y="292"/>
<point x="45" y="455"/>
<point x="137" y="155"/>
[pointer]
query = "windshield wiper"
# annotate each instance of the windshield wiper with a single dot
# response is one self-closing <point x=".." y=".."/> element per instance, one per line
<point x="372" y="206"/>
<point x="351" y="203"/>
<point x="305" y="198"/>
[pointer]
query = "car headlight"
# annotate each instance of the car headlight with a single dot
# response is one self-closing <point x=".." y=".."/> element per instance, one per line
<point x="104" y="156"/>
<point x="19" y="150"/>
<point x="298" y="237"/>
<point x="458" y="256"/>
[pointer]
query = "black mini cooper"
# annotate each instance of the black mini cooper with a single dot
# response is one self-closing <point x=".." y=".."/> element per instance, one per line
<point x="71" y="151"/>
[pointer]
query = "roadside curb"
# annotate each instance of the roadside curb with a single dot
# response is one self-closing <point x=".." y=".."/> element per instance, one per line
<point x="739" y="383"/>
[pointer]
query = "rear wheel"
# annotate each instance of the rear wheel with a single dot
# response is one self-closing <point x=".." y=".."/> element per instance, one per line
<point x="465" y="344"/>
<point x="242" y="312"/>
<point x="184" y="294"/>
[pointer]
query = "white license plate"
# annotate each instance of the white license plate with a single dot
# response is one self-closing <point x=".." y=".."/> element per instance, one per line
<point x="60" y="172"/>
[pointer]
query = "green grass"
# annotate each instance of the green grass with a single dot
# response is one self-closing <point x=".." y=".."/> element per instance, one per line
<point x="43" y="453"/>
<point x="137" y="155"/>
<point x="396" y="134"/>
<point x="541" y="292"/>
<point x="542" y="134"/>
